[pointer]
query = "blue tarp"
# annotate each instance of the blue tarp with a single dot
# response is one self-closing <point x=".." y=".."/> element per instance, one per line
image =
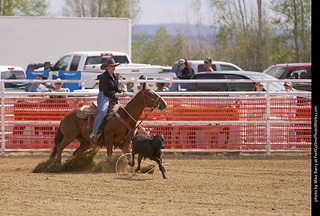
<point x="31" y="74"/>
<point x="69" y="75"/>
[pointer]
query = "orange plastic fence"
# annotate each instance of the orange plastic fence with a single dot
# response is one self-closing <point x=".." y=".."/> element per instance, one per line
<point x="206" y="123"/>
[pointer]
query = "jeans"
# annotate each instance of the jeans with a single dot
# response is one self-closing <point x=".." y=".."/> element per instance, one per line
<point x="103" y="105"/>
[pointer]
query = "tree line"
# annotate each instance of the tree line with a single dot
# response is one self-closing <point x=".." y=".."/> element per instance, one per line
<point x="250" y="33"/>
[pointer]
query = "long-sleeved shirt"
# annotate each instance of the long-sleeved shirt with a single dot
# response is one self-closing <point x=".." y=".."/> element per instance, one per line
<point x="108" y="85"/>
<point x="186" y="73"/>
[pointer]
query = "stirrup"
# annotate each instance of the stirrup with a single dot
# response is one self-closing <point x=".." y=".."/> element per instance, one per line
<point x="110" y="115"/>
<point x="92" y="135"/>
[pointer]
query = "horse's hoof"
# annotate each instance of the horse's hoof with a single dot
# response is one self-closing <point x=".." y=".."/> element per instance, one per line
<point x="55" y="167"/>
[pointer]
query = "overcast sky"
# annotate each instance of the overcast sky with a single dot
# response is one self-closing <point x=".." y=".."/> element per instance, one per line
<point x="156" y="11"/>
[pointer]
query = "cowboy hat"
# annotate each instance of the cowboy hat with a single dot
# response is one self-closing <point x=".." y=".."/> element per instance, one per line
<point x="109" y="61"/>
<point x="287" y="84"/>
<point x="58" y="79"/>
<point x="40" y="75"/>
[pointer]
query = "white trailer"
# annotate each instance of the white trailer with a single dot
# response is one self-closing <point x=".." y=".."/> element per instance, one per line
<point x="25" y="40"/>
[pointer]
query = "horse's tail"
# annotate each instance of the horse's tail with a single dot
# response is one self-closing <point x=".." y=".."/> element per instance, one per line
<point x="58" y="137"/>
<point x="57" y="140"/>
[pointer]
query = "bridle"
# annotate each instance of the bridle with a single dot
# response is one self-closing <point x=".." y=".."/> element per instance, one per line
<point x="155" y="104"/>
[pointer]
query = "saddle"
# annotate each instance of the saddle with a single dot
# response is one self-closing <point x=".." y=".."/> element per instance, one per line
<point x="91" y="111"/>
<point x="88" y="112"/>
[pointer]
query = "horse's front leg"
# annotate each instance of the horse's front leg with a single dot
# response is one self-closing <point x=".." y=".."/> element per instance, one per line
<point x="131" y="163"/>
<point x="126" y="150"/>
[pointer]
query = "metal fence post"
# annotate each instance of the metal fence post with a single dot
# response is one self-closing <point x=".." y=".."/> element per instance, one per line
<point x="268" y="118"/>
<point x="3" y="136"/>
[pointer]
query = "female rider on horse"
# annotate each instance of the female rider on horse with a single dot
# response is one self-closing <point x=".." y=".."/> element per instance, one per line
<point x="108" y="86"/>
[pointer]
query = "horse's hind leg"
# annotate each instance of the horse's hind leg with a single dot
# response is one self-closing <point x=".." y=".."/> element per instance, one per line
<point x="84" y="146"/>
<point x="64" y="143"/>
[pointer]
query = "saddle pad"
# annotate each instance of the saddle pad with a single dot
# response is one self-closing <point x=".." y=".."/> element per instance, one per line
<point x="85" y="110"/>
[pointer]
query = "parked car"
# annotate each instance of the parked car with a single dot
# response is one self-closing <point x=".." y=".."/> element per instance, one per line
<point x="198" y="66"/>
<point x="274" y="86"/>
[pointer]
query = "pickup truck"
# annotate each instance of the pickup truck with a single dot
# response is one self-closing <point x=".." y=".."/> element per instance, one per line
<point x="89" y="62"/>
<point x="11" y="72"/>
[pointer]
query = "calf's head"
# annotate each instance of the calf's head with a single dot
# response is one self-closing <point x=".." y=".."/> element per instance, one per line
<point x="158" y="141"/>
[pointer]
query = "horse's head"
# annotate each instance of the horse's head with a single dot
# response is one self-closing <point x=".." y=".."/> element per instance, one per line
<point x="150" y="98"/>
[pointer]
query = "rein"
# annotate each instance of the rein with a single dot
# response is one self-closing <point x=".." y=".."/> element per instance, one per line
<point x="133" y="129"/>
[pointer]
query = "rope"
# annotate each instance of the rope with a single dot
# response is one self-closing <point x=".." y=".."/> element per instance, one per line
<point x="128" y="135"/>
<point x="129" y="114"/>
<point x="143" y="174"/>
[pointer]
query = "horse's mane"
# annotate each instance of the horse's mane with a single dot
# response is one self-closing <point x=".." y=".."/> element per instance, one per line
<point x="134" y="98"/>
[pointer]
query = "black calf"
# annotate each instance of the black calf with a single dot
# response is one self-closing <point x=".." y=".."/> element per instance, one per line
<point x="148" y="148"/>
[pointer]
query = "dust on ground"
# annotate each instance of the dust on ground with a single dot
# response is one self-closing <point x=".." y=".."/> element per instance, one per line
<point x="197" y="184"/>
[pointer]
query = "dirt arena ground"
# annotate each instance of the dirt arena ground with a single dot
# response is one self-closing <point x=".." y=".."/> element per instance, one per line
<point x="214" y="184"/>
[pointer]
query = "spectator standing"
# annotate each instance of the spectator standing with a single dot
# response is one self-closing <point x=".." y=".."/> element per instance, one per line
<point x="292" y="102"/>
<point x="161" y="86"/>
<point x="58" y="88"/>
<point x="255" y="135"/>
<point x="130" y="85"/>
<point x="167" y="84"/>
<point x="122" y="85"/>
<point x="142" y="77"/>
<point x="291" y="105"/>
<point x="258" y="87"/>
<point x="186" y="71"/>
<point x="38" y="87"/>
<point x="288" y="87"/>
<point x="207" y="65"/>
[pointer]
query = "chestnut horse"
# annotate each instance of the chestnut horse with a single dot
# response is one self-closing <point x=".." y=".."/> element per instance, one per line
<point x="113" y="132"/>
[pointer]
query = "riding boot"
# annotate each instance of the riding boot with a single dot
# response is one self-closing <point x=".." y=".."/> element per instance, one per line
<point x="94" y="138"/>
